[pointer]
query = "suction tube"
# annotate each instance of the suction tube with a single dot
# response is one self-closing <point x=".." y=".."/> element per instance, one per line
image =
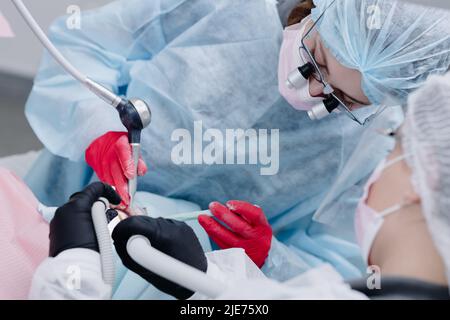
<point x="141" y="251"/>
<point x="104" y="240"/>
<point x="93" y="86"/>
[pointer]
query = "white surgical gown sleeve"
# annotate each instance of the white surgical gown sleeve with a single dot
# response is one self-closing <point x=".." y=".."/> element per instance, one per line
<point x="73" y="274"/>
<point x="286" y="261"/>
<point x="231" y="265"/>
<point x="242" y="279"/>
<point x="321" y="283"/>
<point x="67" y="117"/>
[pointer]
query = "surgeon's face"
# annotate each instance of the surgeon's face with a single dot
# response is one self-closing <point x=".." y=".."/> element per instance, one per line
<point x="345" y="81"/>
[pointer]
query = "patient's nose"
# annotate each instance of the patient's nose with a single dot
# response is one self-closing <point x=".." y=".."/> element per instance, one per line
<point x="315" y="88"/>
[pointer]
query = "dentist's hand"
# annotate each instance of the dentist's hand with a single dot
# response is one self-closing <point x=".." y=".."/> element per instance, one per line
<point x="171" y="237"/>
<point x="248" y="228"/>
<point x="72" y="227"/>
<point x="111" y="158"/>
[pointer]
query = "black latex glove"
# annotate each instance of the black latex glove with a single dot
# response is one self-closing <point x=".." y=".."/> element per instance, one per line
<point x="171" y="237"/>
<point x="72" y="226"/>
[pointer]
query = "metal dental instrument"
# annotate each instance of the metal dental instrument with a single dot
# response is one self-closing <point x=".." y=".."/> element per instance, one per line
<point x="189" y="215"/>
<point x="135" y="114"/>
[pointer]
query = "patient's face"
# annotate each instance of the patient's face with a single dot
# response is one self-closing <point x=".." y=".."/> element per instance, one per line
<point x="345" y="81"/>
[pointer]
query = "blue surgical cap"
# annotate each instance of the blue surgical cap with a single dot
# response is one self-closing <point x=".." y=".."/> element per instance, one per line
<point x="394" y="44"/>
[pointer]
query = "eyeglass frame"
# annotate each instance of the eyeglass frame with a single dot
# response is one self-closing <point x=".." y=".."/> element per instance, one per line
<point x="328" y="89"/>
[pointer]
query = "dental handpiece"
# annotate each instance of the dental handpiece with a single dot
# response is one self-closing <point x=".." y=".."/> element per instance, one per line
<point x="135" y="114"/>
<point x="132" y="183"/>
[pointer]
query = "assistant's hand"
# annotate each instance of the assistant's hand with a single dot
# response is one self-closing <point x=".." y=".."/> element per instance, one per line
<point x="171" y="237"/>
<point x="111" y="158"/>
<point x="248" y="228"/>
<point x="72" y="227"/>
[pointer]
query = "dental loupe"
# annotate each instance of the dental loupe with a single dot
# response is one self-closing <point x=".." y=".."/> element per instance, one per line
<point x="299" y="78"/>
<point x="135" y="114"/>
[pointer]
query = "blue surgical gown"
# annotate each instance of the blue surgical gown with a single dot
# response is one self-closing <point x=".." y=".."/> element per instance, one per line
<point x="215" y="62"/>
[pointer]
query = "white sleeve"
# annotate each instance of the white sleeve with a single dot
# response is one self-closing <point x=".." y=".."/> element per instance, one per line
<point x="73" y="274"/>
<point x="321" y="283"/>
<point x="227" y="266"/>
<point x="247" y="282"/>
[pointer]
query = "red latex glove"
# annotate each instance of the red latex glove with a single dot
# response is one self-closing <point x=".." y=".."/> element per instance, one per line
<point x="248" y="228"/>
<point x="110" y="157"/>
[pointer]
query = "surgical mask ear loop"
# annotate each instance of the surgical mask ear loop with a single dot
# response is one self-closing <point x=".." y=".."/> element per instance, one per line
<point x="392" y="209"/>
<point x="404" y="203"/>
<point x="395" y="208"/>
<point x="391" y="162"/>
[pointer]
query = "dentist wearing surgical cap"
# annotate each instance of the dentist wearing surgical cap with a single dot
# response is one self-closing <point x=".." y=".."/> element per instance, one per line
<point x="218" y="64"/>
<point x="402" y="223"/>
<point x="402" y="226"/>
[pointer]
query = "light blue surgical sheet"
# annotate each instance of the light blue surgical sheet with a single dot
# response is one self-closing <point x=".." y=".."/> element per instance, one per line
<point x="214" y="61"/>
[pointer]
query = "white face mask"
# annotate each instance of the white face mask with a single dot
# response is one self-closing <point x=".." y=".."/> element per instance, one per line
<point x="368" y="222"/>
